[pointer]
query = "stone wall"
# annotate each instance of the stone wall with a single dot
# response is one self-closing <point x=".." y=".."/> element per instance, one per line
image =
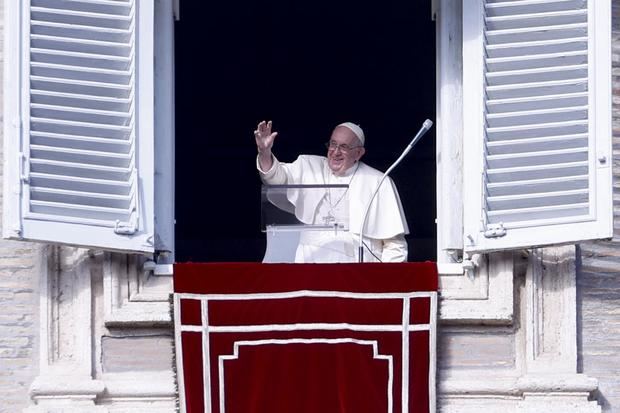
<point x="598" y="277"/>
<point x="19" y="299"/>
<point x="19" y="304"/>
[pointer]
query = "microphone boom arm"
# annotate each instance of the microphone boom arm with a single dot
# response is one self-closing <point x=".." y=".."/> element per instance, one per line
<point x="425" y="127"/>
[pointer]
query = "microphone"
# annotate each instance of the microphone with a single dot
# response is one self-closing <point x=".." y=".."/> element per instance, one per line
<point x="425" y="127"/>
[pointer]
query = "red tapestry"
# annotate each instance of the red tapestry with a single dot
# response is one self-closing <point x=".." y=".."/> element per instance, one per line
<point x="306" y="337"/>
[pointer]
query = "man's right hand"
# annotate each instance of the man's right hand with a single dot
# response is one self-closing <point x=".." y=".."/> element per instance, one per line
<point x="264" y="142"/>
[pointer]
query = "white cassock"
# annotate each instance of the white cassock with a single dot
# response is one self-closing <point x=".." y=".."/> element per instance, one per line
<point x="386" y="225"/>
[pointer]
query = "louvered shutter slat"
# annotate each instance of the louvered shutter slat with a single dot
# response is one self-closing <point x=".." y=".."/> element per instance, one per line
<point x="538" y="152"/>
<point x="80" y="45"/>
<point x="538" y="34"/>
<point x="537" y="61"/>
<point x="531" y="15"/>
<point x="79" y="32"/>
<point x="532" y="216"/>
<point x="75" y="212"/>
<point x="536" y="117"/>
<point x="80" y="59"/>
<point x="537" y="144"/>
<point x="81" y="101"/>
<point x="53" y="167"/>
<point x="533" y="199"/>
<point x="497" y="106"/>
<point x="536" y="75"/>
<point x="81" y="198"/>
<point x="532" y="186"/>
<point x="537" y="172"/>
<point x="80" y="115"/>
<point x="65" y="13"/>
<point x="92" y="6"/>
<point x="47" y="70"/>
<point x="74" y="183"/>
<point x="537" y="130"/>
<point x="80" y="86"/>
<point x="537" y="158"/>
<point x="80" y="142"/>
<point x="82" y="156"/>
<point x="81" y="128"/>
<point x="537" y="89"/>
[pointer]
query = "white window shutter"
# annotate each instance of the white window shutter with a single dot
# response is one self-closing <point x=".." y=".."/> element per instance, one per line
<point x="79" y="123"/>
<point x="537" y="122"/>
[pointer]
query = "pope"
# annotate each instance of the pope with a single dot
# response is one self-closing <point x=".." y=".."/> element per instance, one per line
<point x="386" y="226"/>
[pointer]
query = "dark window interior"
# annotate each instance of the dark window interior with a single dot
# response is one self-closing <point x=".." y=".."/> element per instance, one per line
<point x="307" y="66"/>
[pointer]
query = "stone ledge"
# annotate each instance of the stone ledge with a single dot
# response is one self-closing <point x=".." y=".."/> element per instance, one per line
<point x="149" y="385"/>
<point x="66" y="387"/>
<point x="497" y="385"/>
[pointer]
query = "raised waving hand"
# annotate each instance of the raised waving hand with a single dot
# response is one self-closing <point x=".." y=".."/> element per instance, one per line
<point x="264" y="142"/>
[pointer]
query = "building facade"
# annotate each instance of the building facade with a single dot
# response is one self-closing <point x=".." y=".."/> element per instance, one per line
<point x="87" y="328"/>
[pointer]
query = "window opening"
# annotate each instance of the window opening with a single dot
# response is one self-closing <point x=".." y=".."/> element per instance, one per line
<point x="307" y="67"/>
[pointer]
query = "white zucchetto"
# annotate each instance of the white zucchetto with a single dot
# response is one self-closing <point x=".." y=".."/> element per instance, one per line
<point x="355" y="129"/>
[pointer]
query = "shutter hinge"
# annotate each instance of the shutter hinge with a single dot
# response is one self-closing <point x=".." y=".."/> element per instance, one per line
<point x="24" y="168"/>
<point x="495" y="230"/>
<point x="470" y="264"/>
<point x="124" y="228"/>
<point x="127" y="228"/>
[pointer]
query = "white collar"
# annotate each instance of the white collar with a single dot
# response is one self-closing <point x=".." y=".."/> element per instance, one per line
<point x="347" y="173"/>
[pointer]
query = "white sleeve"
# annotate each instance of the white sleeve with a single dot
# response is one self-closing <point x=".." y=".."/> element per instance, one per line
<point x="274" y="176"/>
<point x="394" y="249"/>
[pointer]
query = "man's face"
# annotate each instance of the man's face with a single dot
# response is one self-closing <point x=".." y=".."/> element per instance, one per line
<point x="344" y="150"/>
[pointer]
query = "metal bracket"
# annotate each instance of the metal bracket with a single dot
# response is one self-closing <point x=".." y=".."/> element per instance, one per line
<point x="125" y="228"/>
<point x="24" y="168"/>
<point x="470" y="264"/>
<point x="157" y="269"/>
<point x="495" y="230"/>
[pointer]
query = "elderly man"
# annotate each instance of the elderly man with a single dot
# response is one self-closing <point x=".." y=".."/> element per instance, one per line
<point x="384" y="233"/>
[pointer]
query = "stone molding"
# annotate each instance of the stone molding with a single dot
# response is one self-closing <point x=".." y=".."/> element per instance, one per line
<point x="133" y="295"/>
<point x="545" y="377"/>
<point x="66" y="383"/>
<point x="484" y="297"/>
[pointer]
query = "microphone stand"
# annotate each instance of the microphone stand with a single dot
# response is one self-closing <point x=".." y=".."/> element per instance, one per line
<point x="425" y="127"/>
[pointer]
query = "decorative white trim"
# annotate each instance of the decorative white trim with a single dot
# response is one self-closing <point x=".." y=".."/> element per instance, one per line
<point x="405" y="354"/>
<point x="178" y="351"/>
<point x="206" y="352"/>
<point x="373" y="344"/>
<point x="432" y="368"/>
<point x="306" y="327"/>
<point x="303" y="293"/>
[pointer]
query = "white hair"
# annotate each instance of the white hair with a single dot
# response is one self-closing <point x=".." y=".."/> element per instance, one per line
<point x="355" y="129"/>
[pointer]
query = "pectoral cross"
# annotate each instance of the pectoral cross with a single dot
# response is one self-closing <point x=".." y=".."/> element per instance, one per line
<point x="329" y="219"/>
